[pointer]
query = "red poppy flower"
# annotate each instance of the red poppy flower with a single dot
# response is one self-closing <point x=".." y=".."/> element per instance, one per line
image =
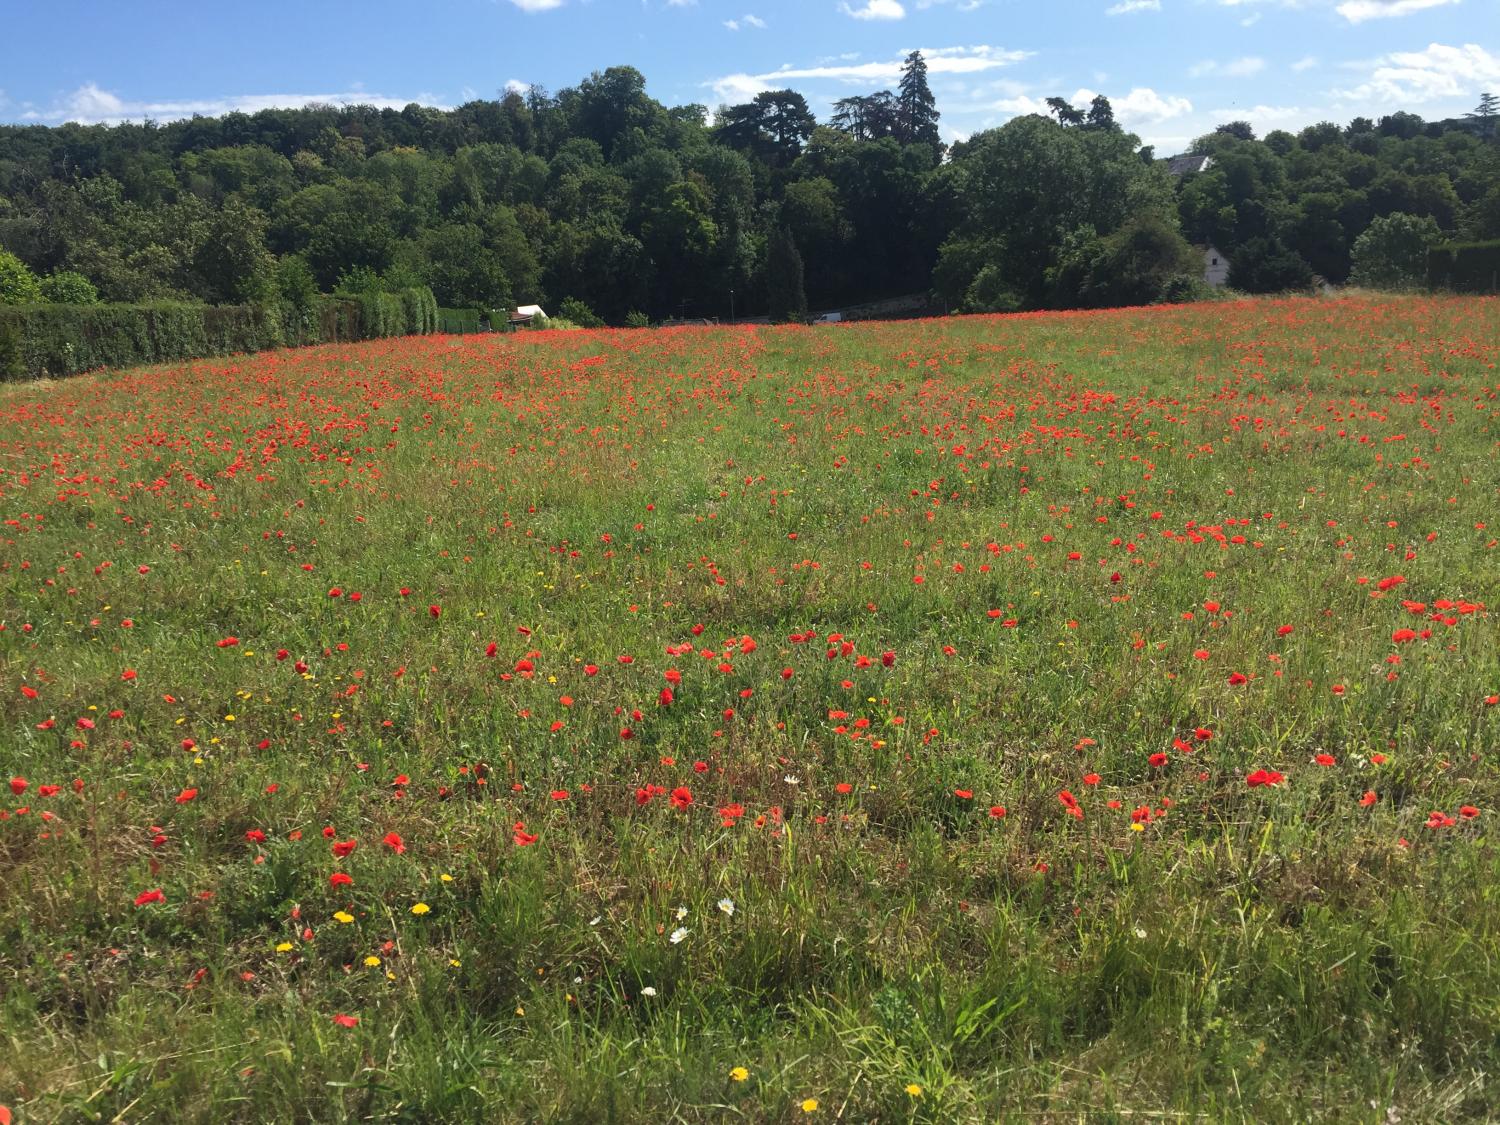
<point x="521" y="836"/>
<point x="345" y="1021"/>
<point x="146" y="897"/>
<point x="340" y="879"/>
<point x="682" y="797"/>
<point x="393" y="841"/>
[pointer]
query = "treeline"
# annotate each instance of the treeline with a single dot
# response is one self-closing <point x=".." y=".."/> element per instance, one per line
<point x="602" y="197"/>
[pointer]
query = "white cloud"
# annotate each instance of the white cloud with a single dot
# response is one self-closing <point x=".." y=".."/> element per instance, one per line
<point x="1020" y="104"/>
<point x="1439" y="71"/>
<point x="1235" y="68"/>
<point x="876" y="10"/>
<point x="1306" y="62"/>
<point x="92" y="105"/>
<point x="940" y="60"/>
<point x="745" y="21"/>
<point x="516" y="86"/>
<point x="1141" y="106"/>
<point x="1357" y="11"/>
<point x="1126" y="7"/>
<point x="537" y="5"/>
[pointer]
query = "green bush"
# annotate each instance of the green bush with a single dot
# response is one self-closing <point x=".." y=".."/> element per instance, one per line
<point x="68" y="288"/>
<point x="1465" y="267"/>
<point x="18" y="286"/>
<point x="580" y="314"/>
<point x="637" y="319"/>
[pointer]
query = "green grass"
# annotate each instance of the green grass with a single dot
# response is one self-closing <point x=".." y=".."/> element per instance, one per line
<point x="1191" y="945"/>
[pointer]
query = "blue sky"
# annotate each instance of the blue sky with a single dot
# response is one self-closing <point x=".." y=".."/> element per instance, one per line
<point x="1172" y="68"/>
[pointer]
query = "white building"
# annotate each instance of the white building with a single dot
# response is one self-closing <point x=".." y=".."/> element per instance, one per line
<point x="1215" y="266"/>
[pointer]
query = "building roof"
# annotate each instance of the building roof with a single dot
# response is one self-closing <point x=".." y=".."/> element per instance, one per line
<point x="1187" y="162"/>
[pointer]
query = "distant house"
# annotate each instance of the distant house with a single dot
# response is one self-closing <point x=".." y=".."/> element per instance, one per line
<point x="526" y="315"/>
<point x="1188" y="162"/>
<point x="1215" y="266"/>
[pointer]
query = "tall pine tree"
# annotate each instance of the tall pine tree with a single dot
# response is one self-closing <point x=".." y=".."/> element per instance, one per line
<point x="916" y="110"/>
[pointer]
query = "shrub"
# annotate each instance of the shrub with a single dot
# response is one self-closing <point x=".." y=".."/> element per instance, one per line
<point x="69" y="288"/>
<point x="580" y="314"/>
<point x="637" y="319"/>
<point x="18" y="286"/>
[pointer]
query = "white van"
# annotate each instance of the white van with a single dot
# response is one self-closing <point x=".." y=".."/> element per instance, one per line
<point x="829" y="318"/>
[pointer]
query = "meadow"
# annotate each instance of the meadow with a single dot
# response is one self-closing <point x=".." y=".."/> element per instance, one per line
<point x="1078" y="716"/>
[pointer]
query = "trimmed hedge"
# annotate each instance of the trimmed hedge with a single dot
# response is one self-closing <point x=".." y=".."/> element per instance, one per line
<point x="1465" y="267"/>
<point x="458" y="321"/>
<point x="43" y="340"/>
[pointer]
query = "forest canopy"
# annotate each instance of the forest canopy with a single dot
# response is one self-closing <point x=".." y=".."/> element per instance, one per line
<point x="603" y="197"/>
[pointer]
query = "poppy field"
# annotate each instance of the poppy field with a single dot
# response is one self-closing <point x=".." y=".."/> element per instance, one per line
<point x="1062" y="716"/>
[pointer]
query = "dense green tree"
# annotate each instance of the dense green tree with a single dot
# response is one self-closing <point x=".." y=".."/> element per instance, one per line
<point x="1264" y="265"/>
<point x="1139" y="263"/>
<point x="813" y="213"/>
<point x="771" y="127"/>
<point x="866" y="117"/>
<point x="1392" y="251"/>
<point x="232" y="264"/>
<point x="785" y="296"/>
<point x="1028" y="185"/>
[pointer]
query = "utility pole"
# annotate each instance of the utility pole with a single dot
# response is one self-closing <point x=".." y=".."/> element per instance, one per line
<point x="731" y="306"/>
